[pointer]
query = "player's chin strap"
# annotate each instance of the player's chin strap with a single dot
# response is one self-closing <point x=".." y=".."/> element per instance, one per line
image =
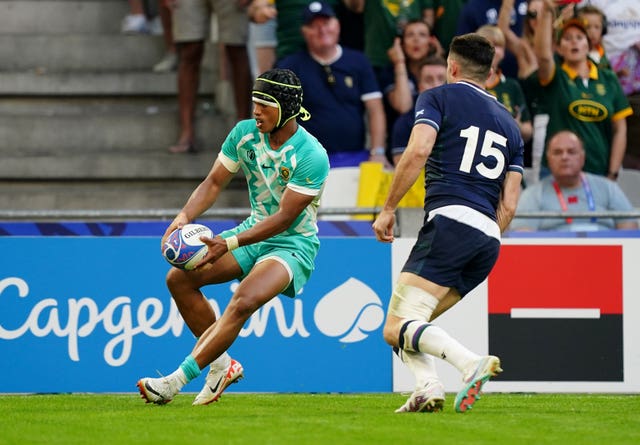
<point x="304" y="114"/>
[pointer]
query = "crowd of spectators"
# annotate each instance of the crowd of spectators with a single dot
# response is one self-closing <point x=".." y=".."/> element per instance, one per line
<point x="340" y="88"/>
<point x="565" y="65"/>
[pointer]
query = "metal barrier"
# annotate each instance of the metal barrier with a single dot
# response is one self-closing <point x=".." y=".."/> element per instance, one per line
<point x="120" y="214"/>
<point x="110" y="214"/>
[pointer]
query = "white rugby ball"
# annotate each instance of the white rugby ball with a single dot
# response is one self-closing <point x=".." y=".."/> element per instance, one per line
<point x="183" y="248"/>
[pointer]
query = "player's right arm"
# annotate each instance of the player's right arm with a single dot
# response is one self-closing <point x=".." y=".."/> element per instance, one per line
<point x="508" y="199"/>
<point x="411" y="163"/>
<point x="203" y="197"/>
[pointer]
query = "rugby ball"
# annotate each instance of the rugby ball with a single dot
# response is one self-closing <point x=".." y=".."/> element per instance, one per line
<point x="183" y="248"/>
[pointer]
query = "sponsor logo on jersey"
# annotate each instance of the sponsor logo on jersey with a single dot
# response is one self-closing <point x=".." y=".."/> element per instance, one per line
<point x="588" y="111"/>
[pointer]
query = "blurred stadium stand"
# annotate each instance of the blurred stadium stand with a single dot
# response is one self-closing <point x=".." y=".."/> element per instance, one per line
<point x="84" y="123"/>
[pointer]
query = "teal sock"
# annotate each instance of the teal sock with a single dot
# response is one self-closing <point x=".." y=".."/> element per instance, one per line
<point x="190" y="368"/>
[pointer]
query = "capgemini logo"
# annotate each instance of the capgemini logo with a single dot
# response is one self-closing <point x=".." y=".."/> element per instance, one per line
<point x="350" y="311"/>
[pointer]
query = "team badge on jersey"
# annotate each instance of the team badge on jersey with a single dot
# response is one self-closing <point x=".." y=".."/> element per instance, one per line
<point x="348" y="81"/>
<point x="285" y="173"/>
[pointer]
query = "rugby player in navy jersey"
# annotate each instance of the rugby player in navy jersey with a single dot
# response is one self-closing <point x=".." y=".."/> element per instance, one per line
<point x="473" y="153"/>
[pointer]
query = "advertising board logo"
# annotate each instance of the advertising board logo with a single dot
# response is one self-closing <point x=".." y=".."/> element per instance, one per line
<point x="350" y="311"/>
<point x="562" y="319"/>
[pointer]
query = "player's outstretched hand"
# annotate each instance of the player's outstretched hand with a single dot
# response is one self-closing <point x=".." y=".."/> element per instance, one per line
<point x="177" y="223"/>
<point x="217" y="247"/>
<point x="383" y="226"/>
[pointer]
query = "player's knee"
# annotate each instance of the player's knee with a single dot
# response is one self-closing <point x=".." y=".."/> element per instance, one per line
<point x="242" y="306"/>
<point x="390" y="333"/>
<point x="175" y="279"/>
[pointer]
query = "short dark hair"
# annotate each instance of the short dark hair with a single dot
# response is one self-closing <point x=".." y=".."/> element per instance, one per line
<point x="475" y="55"/>
<point x="433" y="60"/>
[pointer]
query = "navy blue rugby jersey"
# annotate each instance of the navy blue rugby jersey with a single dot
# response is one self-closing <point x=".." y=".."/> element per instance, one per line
<point x="478" y="141"/>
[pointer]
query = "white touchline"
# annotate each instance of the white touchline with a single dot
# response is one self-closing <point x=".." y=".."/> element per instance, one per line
<point x="555" y="313"/>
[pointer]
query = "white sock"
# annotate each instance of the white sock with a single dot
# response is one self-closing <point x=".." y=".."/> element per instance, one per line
<point x="222" y="362"/>
<point x="422" y="365"/>
<point x="178" y="378"/>
<point x="435" y="341"/>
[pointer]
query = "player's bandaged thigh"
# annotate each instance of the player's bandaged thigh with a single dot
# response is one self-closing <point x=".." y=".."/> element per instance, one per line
<point x="410" y="302"/>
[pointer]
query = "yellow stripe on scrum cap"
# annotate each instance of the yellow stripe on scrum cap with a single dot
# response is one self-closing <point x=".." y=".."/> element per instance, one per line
<point x="288" y="85"/>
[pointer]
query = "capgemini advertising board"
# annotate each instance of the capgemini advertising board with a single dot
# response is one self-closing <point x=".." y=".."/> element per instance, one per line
<point x="92" y="314"/>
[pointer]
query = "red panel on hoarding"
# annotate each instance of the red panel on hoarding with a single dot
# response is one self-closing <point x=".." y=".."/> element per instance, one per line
<point x="557" y="277"/>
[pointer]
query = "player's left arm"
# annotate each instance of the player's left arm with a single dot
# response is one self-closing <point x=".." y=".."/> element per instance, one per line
<point x="508" y="199"/>
<point x="292" y="205"/>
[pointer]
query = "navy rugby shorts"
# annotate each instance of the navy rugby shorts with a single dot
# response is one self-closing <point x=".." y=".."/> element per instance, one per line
<point x="452" y="254"/>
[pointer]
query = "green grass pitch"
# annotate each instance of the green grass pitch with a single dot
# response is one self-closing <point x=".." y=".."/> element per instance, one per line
<point x="332" y="419"/>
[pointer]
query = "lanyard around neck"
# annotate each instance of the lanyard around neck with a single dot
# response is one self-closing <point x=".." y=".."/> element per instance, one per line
<point x="587" y="191"/>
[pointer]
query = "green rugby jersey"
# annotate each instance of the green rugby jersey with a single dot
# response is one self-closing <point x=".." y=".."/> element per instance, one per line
<point x="509" y="93"/>
<point x="300" y="164"/>
<point x="587" y="109"/>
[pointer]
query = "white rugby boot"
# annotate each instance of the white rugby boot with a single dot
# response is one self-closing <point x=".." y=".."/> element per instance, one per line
<point x="474" y="379"/>
<point x="217" y="381"/>
<point x="429" y="399"/>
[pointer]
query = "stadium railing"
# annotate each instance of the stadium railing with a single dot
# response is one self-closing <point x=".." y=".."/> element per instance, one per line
<point x="409" y="219"/>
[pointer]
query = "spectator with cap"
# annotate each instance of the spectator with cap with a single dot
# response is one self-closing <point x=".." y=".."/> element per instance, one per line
<point x="285" y="14"/>
<point x="579" y="96"/>
<point x="340" y="90"/>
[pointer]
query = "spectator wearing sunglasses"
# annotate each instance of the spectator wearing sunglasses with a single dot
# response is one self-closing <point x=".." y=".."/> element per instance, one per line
<point x="340" y="91"/>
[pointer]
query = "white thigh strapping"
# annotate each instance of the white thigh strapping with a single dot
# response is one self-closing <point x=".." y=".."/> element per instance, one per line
<point x="412" y="303"/>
